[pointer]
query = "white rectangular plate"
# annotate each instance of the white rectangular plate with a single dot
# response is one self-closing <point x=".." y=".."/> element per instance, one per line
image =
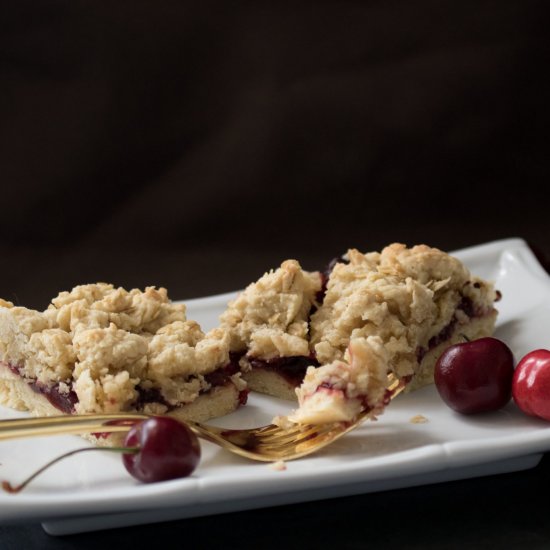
<point x="93" y="491"/>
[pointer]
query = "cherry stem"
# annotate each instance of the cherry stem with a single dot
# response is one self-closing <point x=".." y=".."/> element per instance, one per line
<point x="465" y="337"/>
<point x="8" y="487"/>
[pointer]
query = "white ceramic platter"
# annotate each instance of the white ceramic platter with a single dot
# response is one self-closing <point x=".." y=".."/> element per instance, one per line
<point x="93" y="491"/>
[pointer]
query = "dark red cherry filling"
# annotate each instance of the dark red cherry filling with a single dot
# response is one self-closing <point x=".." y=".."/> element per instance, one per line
<point x="64" y="401"/>
<point x="292" y="369"/>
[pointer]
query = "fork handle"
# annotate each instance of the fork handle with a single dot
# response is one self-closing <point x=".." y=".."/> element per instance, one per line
<point x="100" y="423"/>
<point x="66" y="424"/>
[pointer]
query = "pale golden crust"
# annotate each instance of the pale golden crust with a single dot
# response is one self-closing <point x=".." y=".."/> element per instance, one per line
<point x="270" y="382"/>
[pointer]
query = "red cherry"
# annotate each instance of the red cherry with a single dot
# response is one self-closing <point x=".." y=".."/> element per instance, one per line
<point x="167" y="449"/>
<point x="475" y="376"/>
<point x="531" y="384"/>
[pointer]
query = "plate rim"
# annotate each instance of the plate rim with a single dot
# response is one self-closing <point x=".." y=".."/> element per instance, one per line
<point x="135" y="496"/>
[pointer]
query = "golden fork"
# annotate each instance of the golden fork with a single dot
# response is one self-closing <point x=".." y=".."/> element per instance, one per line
<point x="267" y="443"/>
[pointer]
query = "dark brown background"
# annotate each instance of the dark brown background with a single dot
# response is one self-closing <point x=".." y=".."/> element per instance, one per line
<point x="195" y="145"/>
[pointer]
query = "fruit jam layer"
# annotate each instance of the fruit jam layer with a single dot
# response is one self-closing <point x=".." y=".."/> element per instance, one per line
<point x="65" y="401"/>
<point x="292" y="369"/>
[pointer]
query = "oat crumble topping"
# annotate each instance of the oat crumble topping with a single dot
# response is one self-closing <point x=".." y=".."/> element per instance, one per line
<point x="103" y="342"/>
<point x="403" y="295"/>
<point x="270" y="317"/>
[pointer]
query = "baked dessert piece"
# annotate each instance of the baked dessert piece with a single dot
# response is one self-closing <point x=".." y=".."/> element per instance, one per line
<point x="268" y="327"/>
<point x="415" y="301"/>
<point x="388" y="314"/>
<point x="100" y="349"/>
<point x="418" y="300"/>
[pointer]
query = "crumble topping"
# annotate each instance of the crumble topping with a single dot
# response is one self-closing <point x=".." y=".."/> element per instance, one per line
<point x="182" y="349"/>
<point x="103" y="342"/>
<point x="270" y="317"/>
<point x="179" y="356"/>
<point x="99" y="350"/>
<point x="17" y="324"/>
<point x="51" y="356"/>
<point x="406" y="296"/>
<point x="99" y="305"/>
